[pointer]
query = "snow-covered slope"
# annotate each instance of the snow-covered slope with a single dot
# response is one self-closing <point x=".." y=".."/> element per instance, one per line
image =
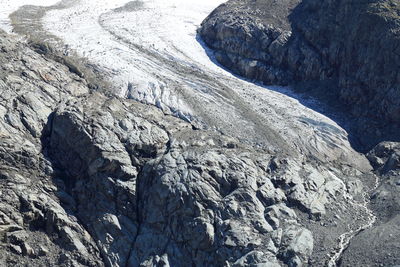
<point x="129" y="41"/>
<point x="150" y="51"/>
<point x="9" y="6"/>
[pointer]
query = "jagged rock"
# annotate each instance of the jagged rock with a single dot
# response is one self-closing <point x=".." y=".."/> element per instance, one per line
<point x="16" y="249"/>
<point x="298" y="246"/>
<point x="190" y="195"/>
<point x="385" y="156"/>
<point x="304" y="41"/>
<point x="27" y="250"/>
<point x="101" y="181"/>
<point x="17" y="237"/>
<point x="367" y="248"/>
<point x="160" y="154"/>
<point x="43" y="251"/>
<point x="250" y="38"/>
<point x="27" y="100"/>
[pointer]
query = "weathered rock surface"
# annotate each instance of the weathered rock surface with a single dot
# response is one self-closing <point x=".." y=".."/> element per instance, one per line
<point x="35" y="227"/>
<point x="91" y="180"/>
<point x="178" y="196"/>
<point x="250" y="38"/>
<point x="386" y="205"/>
<point x="350" y="45"/>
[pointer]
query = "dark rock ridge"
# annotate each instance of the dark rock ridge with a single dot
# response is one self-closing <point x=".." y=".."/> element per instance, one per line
<point x="35" y="227"/>
<point x="352" y="45"/>
<point x="91" y="180"/>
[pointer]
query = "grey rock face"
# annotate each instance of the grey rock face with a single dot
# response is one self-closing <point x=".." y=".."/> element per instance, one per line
<point x="103" y="156"/>
<point x="385" y="157"/>
<point x="32" y="218"/>
<point x="179" y="196"/>
<point x="91" y="180"/>
<point x="386" y="205"/>
<point x="351" y="44"/>
<point x="173" y="194"/>
<point x="250" y="38"/>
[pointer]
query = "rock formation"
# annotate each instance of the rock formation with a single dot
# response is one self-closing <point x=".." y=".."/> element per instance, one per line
<point x="386" y="205"/>
<point x="352" y="46"/>
<point x="36" y="229"/>
<point x="90" y="179"/>
<point x="93" y="180"/>
<point x="347" y="51"/>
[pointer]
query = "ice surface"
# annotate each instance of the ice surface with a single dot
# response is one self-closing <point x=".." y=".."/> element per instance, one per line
<point x="150" y="51"/>
<point x="103" y="32"/>
<point x="9" y="6"/>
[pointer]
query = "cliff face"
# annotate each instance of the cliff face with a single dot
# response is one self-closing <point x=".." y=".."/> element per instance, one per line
<point x="35" y="227"/>
<point x="91" y="180"/>
<point x="349" y="51"/>
<point x="251" y="38"/>
<point x="353" y="45"/>
<point x="359" y="42"/>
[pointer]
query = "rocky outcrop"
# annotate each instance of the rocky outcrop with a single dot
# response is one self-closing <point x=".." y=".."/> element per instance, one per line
<point x="386" y="205"/>
<point x="36" y="229"/>
<point x="176" y="195"/>
<point x="251" y="38"/>
<point x="91" y="180"/>
<point x="346" y="50"/>
<point x="350" y="45"/>
<point x="173" y="194"/>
